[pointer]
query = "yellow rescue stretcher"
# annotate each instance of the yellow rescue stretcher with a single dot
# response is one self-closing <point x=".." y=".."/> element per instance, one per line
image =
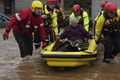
<point x="69" y="59"/>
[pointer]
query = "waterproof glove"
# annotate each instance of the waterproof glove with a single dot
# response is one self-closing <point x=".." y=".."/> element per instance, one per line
<point x="5" y="35"/>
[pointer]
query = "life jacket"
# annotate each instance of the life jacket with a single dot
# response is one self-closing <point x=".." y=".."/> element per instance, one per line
<point x="82" y="21"/>
<point x="52" y="16"/>
<point x="60" y="17"/>
<point x="111" y="24"/>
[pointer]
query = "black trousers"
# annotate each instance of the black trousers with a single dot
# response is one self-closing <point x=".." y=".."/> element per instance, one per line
<point x="112" y="45"/>
<point x="25" y="44"/>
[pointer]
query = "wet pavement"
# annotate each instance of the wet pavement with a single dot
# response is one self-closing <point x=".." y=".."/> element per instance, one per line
<point x="12" y="67"/>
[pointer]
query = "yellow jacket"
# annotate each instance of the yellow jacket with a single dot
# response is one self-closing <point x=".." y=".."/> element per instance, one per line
<point x="85" y="17"/>
<point x="101" y="11"/>
<point x="61" y="9"/>
<point x="54" y="20"/>
<point x="102" y="21"/>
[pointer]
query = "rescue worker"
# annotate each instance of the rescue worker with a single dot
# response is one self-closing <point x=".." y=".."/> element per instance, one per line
<point x="99" y="14"/>
<point x="81" y="15"/>
<point x="60" y="14"/>
<point x="23" y="24"/>
<point x="51" y="25"/>
<point x="101" y="10"/>
<point x="108" y="25"/>
<point x="75" y="33"/>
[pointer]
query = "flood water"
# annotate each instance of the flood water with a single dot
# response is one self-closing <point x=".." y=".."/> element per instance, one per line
<point x="12" y="68"/>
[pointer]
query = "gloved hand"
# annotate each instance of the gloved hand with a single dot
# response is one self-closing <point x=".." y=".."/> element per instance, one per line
<point x="5" y="35"/>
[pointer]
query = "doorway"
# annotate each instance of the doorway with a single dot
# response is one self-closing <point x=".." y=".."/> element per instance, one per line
<point x="9" y="6"/>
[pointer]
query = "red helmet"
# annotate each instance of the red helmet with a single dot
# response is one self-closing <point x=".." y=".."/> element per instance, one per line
<point x="76" y="8"/>
<point x="103" y="4"/>
<point x="51" y="2"/>
<point x="58" y="1"/>
<point x="110" y="7"/>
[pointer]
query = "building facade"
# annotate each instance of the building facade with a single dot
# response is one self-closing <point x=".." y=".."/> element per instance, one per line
<point x="7" y="6"/>
<point x="12" y="6"/>
<point x="96" y="6"/>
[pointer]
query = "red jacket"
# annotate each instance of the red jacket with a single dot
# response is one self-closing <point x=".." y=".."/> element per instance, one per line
<point x="24" y="23"/>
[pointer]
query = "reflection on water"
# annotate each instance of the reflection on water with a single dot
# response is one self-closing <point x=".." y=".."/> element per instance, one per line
<point x="12" y="67"/>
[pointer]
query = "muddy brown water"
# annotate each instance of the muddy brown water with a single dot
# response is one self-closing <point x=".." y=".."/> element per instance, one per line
<point x="12" y="68"/>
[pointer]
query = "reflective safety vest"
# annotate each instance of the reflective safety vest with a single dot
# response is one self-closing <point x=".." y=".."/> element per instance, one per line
<point x="53" y="16"/>
<point x="60" y="16"/>
<point x="85" y="18"/>
<point x="61" y="10"/>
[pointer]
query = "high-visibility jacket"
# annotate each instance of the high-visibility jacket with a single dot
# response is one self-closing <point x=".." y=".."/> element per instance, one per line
<point x="59" y="9"/>
<point x="25" y="23"/>
<point x="101" y="11"/>
<point x="85" y="19"/>
<point x="60" y="16"/>
<point x="53" y="16"/>
<point x="104" y="21"/>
